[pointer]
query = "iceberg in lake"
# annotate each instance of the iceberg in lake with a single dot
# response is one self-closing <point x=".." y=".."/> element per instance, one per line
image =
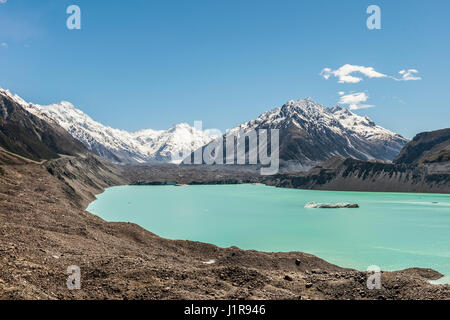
<point x="331" y="205"/>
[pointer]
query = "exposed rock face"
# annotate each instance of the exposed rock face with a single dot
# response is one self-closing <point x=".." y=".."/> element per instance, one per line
<point x="31" y="137"/>
<point x="356" y="175"/>
<point x="427" y="147"/>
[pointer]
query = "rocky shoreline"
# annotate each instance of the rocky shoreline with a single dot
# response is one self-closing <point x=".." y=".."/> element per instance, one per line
<point x="44" y="229"/>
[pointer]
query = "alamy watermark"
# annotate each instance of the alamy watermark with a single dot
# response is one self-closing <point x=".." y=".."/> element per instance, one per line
<point x="374" y="280"/>
<point x="236" y="147"/>
<point x="74" y="280"/>
<point x="74" y="20"/>
<point x="374" y="20"/>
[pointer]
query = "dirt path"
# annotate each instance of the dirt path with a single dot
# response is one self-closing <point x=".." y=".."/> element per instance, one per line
<point x="22" y="158"/>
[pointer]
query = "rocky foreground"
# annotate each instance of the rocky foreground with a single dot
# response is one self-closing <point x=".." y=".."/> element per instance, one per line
<point x="44" y="229"/>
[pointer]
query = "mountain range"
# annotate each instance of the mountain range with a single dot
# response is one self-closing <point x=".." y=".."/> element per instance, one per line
<point x="119" y="146"/>
<point x="309" y="134"/>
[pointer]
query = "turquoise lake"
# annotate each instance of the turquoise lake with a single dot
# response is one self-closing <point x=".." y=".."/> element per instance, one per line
<point x="391" y="230"/>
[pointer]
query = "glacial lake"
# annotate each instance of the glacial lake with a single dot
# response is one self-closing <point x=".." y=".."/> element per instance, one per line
<point x="391" y="230"/>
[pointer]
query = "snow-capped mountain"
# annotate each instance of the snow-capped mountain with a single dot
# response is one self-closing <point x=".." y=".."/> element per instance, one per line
<point x="120" y="146"/>
<point x="311" y="133"/>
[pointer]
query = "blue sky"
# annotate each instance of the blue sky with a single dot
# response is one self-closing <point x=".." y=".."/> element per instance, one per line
<point x="150" y="64"/>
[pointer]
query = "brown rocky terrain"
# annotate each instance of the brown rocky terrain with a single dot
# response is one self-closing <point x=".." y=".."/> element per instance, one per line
<point x="44" y="229"/>
<point x="375" y="176"/>
<point x="427" y="147"/>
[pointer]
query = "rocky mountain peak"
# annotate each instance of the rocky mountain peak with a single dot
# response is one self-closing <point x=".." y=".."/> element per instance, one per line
<point x="311" y="133"/>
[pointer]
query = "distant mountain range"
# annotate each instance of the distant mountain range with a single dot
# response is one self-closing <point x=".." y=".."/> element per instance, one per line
<point x="309" y="134"/>
<point x="119" y="146"/>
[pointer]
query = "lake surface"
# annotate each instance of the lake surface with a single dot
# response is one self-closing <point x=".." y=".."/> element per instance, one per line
<point x="391" y="230"/>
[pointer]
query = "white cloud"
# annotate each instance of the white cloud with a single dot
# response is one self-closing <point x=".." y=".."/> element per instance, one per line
<point x="361" y="106"/>
<point x="344" y="73"/>
<point x="3" y="1"/>
<point x="3" y="44"/>
<point x="407" y="75"/>
<point x="355" y="100"/>
<point x="354" y="74"/>
<point x="349" y="73"/>
<point x="326" y="73"/>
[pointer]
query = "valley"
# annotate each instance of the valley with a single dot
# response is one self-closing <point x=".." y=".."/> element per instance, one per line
<point x="48" y="178"/>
